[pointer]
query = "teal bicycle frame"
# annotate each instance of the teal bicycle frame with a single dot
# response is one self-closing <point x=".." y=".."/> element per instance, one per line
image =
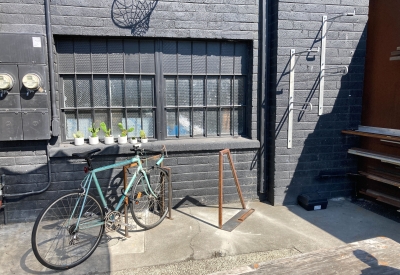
<point x="91" y="176"/>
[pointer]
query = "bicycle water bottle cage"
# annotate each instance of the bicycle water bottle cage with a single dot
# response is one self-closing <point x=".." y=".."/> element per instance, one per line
<point x="88" y="157"/>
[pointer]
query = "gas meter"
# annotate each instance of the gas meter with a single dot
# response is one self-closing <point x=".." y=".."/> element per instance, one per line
<point x="6" y="84"/>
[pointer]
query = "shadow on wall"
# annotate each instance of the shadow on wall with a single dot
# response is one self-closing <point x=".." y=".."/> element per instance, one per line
<point x="66" y="177"/>
<point x="133" y="14"/>
<point x="320" y="158"/>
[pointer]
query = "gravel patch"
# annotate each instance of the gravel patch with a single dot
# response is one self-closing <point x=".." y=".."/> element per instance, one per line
<point x="208" y="266"/>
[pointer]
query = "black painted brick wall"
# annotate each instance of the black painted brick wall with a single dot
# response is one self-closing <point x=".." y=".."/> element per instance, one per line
<point x="24" y="163"/>
<point x="194" y="177"/>
<point x="318" y="146"/>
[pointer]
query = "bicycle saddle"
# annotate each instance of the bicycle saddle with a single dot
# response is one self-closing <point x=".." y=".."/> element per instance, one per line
<point x="87" y="154"/>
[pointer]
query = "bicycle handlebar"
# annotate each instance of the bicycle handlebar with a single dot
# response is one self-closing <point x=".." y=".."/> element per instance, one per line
<point x="137" y="146"/>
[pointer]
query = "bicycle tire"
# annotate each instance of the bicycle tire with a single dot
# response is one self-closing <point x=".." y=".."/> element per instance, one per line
<point x="149" y="211"/>
<point x="55" y="241"/>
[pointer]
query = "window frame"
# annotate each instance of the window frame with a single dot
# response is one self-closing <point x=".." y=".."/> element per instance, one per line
<point x="159" y="90"/>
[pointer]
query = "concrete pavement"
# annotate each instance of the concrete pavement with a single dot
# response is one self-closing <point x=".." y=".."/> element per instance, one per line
<point x="191" y="243"/>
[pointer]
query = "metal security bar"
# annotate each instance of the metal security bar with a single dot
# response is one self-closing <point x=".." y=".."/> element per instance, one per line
<point x="205" y="87"/>
<point x="110" y="80"/>
<point x="169" y="88"/>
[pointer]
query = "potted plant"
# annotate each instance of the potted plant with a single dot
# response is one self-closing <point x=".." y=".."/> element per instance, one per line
<point x="79" y="138"/>
<point x="122" y="138"/>
<point x="133" y="140"/>
<point x="108" y="138"/>
<point x="94" y="138"/>
<point x="143" y="137"/>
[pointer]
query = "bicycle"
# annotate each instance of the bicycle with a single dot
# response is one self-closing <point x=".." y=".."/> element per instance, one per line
<point x="70" y="228"/>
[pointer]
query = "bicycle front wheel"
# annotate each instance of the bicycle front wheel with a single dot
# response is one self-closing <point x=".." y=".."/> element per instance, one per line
<point x="57" y="241"/>
<point x="150" y="206"/>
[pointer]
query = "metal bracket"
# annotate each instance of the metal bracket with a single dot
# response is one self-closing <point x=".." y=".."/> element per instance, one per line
<point x="291" y="93"/>
<point x="323" y="64"/>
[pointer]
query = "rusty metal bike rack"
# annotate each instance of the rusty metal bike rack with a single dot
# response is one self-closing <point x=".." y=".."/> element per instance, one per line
<point x="243" y="214"/>
<point x="125" y="169"/>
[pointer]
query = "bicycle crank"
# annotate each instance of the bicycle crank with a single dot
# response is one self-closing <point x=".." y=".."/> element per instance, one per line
<point x="113" y="222"/>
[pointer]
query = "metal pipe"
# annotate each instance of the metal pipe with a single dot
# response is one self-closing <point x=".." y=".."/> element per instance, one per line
<point x="55" y="121"/>
<point x="263" y="118"/>
<point x="5" y="195"/>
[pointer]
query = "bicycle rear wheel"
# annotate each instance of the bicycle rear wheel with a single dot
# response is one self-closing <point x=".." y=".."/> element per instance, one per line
<point x="148" y="210"/>
<point x="56" y="240"/>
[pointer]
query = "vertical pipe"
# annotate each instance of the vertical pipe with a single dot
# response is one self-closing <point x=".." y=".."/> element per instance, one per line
<point x="55" y="122"/>
<point x="263" y="114"/>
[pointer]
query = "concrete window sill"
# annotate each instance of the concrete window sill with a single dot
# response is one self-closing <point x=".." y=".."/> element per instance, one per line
<point x="181" y="145"/>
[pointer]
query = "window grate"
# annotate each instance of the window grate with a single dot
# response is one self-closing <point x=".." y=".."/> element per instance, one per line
<point x="201" y="86"/>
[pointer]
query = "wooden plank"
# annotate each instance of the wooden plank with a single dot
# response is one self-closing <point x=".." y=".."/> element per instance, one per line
<point x="383" y="197"/>
<point x="389" y="201"/>
<point x="371" y="135"/>
<point x="380" y="179"/>
<point x="375" y="155"/>
<point x="373" y="256"/>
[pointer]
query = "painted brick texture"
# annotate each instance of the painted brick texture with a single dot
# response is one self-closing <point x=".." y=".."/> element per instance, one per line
<point x="194" y="177"/>
<point x="319" y="148"/>
<point x="195" y="174"/>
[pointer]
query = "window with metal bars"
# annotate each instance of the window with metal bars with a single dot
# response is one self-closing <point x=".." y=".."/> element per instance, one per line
<point x="201" y="86"/>
<point x="204" y="87"/>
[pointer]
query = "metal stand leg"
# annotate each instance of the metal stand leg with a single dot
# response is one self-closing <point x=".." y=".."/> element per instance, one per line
<point x="126" y="201"/>
<point x="243" y="214"/>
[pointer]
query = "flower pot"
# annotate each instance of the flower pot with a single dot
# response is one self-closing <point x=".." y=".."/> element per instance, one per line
<point x="79" y="141"/>
<point x="109" y="140"/>
<point x="144" y="140"/>
<point x="122" y="140"/>
<point x="93" y="140"/>
<point x="133" y="140"/>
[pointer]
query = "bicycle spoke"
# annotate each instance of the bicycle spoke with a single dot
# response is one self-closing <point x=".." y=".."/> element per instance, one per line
<point x="149" y="210"/>
<point x="58" y="242"/>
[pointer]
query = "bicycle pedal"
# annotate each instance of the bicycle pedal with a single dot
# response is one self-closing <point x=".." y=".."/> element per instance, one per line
<point x="130" y="226"/>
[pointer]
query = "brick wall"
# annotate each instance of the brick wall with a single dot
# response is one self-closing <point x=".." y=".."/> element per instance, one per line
<point x="318" y="146"/>
<point x="194" y="175"/>
<point x="195" y="169"/>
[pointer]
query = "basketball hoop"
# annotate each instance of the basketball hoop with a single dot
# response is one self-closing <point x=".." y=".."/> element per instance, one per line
<point x="133" y="14"/>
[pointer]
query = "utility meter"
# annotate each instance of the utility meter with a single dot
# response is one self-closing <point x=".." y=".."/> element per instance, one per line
<point x="6" y="82"/>
<point x="32" y="82"/>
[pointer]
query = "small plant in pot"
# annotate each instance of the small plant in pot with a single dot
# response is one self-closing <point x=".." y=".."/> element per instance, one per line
<point x="133" y="140"/>
<point x="108" y="138"/>
<point x="93" y="138"/>
<point x="79" y="138"/>
<point x="122" y="138"/>
<point x="143" y="137"/>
